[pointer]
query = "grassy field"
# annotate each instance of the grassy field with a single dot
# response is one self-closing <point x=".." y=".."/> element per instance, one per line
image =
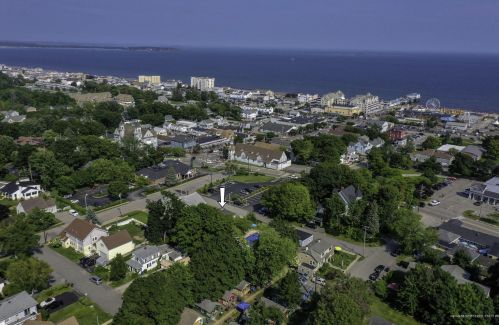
<point x="248" y="179"/>
<point x="139" y="215"/>
<point x="8" y="203"/>
<point x="52" y="292"/>
<point x="85" y="311"/>
<point x="136" y="231"/>
<point x="342" y="260"/>
<point x="379" y="308"/>
<point x="69" y="253"/>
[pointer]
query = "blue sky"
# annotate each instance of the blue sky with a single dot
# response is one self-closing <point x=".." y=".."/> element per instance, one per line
<point x="404" y="25"/>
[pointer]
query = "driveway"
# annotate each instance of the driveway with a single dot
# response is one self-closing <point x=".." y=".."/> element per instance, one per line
<point x="378" y="255"/>
<point x="106" y="297"/>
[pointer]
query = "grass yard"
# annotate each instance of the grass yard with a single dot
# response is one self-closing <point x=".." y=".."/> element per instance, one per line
<point x="85" y="311"/>
<point x="375" y="243"/>
<point x="136" y="231"/>
<point x="8" y="203"/>
<point x="379" y="308"/>
<point x="52" y="292"/>
<point x="130" y="276"/>
<point x="69" y="253"/>
<point x="139" y="215"/>
<point x="342" y="260"/>
<point x="249" y="179"/>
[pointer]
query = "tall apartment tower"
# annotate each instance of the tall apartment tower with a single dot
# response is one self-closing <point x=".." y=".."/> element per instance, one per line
<point x="154" y="80"/>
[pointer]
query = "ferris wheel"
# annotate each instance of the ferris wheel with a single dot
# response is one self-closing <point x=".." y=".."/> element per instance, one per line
<point x="433" y="104"/>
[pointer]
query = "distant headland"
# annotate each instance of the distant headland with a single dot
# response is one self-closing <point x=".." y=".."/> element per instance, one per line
<point x="85" y="46"/>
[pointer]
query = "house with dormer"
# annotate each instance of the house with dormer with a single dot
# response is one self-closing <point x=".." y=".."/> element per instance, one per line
<point x="314" y="256"/>
<point x="82" y="236"/>
<point x="261" y="154"/>
<point x="144" y="133"/>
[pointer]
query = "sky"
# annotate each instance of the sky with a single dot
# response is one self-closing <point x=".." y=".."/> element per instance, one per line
<point x="378" y="25"/>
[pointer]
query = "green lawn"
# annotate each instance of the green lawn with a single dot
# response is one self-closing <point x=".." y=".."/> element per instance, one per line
<point x="342" y="260"/>
<point x="69" y="253"/>
<point x="130" y="276"/>
<point x="139" y="215"/>
<point x="136" y="231"/>
<point x="249" y="179"/>
<point x="52" y="292"/>
<point x="8" y="203"/>
<point x="85" y="311"/>
<point x="350" y="240"/>
<point x="379" y="308"/>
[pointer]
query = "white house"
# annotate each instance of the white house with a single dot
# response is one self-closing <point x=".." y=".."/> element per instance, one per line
<point x="249" y="114"/>
<point x="22" y="189"/>
<point x="17" y="309"/>
<point x="82" y="236"/>
<point x="261" y="154"/>
<point x="144" y="133"/>
<point x="364" y="145"/>
<point x="149" y="257"/>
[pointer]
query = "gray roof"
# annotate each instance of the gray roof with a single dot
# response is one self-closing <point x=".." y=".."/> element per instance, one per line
<point x="473" y="255"/>
<point x="207" y="306"/>
<point x="161" y="170"/>
<point x="276" y="127"/>
<point x="303" y="235"/>
<point x="16" y="304"/>
<point x="350" y="194"/>
<point x="447" y="237"/>
<point x="269" y="303"/>
<point x="473" y="150"/>
<point x="482" y="239"/>
<point x="39" y="202"/>
<point x="462" y="277"/>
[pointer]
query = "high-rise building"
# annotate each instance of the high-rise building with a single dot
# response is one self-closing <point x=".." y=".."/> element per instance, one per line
<point x="150" y="79"/>
<point x="203" y="83"/>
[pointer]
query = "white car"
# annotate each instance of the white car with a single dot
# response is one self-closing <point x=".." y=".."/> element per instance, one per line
<point x="434" y="203"/>
<point x="47" y="302"/>
<point x="73" y="212"/>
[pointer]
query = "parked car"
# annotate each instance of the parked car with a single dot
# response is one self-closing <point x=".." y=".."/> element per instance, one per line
<point x="96" y="280"/>
<point x="379" y="268"/>
<point x="422" y="204"/>
<point x="54" y="305"/>
<point x="396" y="252"/>
<point x="320" y="281"/>
<point x="47" y="302"/>
<point x="434" y="203"/>
<point x="374" y="276"/>
<point x="311" y="225"/>
<point x="74" y="201"/>
<point x="73" y="212"/>
<point x="478" y="203"/>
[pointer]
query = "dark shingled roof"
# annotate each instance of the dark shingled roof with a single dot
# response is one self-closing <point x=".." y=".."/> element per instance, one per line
<point x="79" y="228"/>
<point x="456" y="226"/>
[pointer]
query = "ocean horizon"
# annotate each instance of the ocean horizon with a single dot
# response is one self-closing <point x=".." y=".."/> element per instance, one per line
<point x="467" y="81"/>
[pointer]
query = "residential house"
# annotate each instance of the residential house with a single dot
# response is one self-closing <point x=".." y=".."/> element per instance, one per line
<point x="110" y="246"/>
<point x="384" y="126"/>
<point x="180" y="125"/>
<point x="191" y="317"/>
<point x="228" y="299"/>
<point x="314" y="256"/>
<point x="209" y="308"/>
<point x="21" y="189"/>
<point x="259" y="154"/>
<point x="304" y="238"/>
<point x="397" y="134"/>
<point x="364" y="145"/>
<point x="277" y="128"/>
<point x="32" y="141"/>
<point x="144" y="133"/>
<point x="125" y="100"/>
<point x="442" y="157"/>
<point x="349" y="195"/>
<point x="476" y="152"/>
<point x="183" y="141"/>
<point x="12" y="117"/>
<point x="212" y="141"/>
<point x="17" y="309"/>
<point x="272" y="304"/>
<point x="249" y="114"/>
<point x="456" y="126"/>
<point x="47" y="205"/>
<point x="146" y="258"/>
<point x="463" y="277"/>
<point x="82" y="236"/>
<point x="485" y="192"/>
<point x="157" y="174"/>
<point x="242" y="289"/>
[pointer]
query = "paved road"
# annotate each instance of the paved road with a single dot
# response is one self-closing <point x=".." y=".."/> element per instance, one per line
<point x="65" y="270"/>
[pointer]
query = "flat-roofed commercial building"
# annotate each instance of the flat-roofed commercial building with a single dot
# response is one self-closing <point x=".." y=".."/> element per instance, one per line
<point x="150" y="79"/>
<point x="203" y="83"/>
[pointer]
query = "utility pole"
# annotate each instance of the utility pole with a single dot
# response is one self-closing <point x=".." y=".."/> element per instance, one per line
<point x="364" y="249"/>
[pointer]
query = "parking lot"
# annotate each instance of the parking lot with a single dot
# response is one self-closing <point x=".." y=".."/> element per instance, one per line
<point x="452" y="204"/>
<point x="249" y="194"/>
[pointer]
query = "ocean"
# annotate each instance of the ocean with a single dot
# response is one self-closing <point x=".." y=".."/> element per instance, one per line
<point x="459" y="81"/>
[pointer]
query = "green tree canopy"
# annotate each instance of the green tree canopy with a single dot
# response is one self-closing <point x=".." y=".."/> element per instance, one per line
<point x="289" y="201"/>
<point x="28" y="274"/>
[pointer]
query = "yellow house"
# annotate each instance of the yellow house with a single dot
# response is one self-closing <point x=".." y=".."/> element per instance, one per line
<point x="343" y="110"/>
<point x="82" y="236"/>
<point x="110" y="246"/>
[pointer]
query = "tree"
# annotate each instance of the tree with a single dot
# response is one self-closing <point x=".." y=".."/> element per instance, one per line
<point x="289" y="289"/>
<point x="272" y="253"/>
<point x="463" y="165"/>
<point x="289" y="201"/>
<point x="28" y="274"/>
<point x="260" y="314"/>
<point x="491" y="144"/>
<point x="4" y="212"/>
<point x="158" y="298"/>
<point x="118" y="268"/>
<point x="163" y="216"/>
<point x="461" y="258"/>
<point x="411" y="233"/>
<point x="345" y="301"/>
<point x="65" y="185"/>
<point x="19" y="238"/>
<point x="47" y="166"/>
<point x="285" y="229"/>
<point x="431" y="143"/>
<point x="372" y="219"/>
<point x="303" y="149"/>
<point x="334" y="208"/>
<point x="171" y="177"/>
<point x="117" y="189"/>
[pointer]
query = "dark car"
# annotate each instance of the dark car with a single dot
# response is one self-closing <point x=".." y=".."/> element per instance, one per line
<point x="422" y="204"/>
<point x="311" y="225"/>
<point x="374" y="276"/>
<point x="395" y="252"/>
<point x="478" y="203"/>
<point x="54" y="305"/>
<point x="379" y="268"/>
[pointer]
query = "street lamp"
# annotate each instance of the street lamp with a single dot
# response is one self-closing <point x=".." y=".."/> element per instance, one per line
<point x="86" y="207"/>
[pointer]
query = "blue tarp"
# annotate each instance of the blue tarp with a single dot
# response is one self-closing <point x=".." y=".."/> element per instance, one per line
<point x="253" y="238"/>
<point x="242" y="306"/>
